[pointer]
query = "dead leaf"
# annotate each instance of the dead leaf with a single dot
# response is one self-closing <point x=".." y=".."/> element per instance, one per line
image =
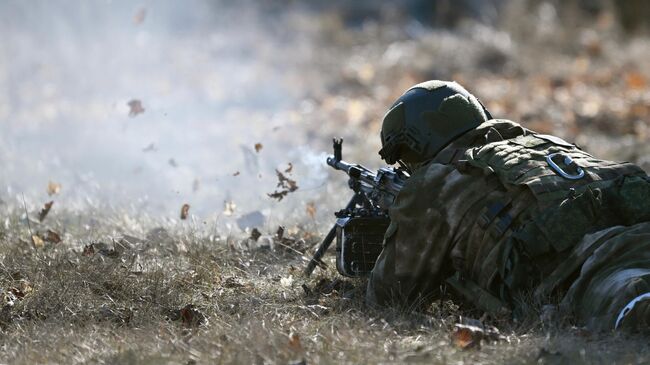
<point x="255" y="234"/>
<point x="279" y="195"/>
<point x="236" y="173"/>
<point x="185" y="209"/>
<point x="135" y="107"/>
<point x="635" y="80"/>
<point x="190" y="316"/>
<point x="465" y="336"/>
<point x="258" y="147"/>
<point x="53" y="188"/>
<point x="311" y="209"/>
<point x="20" y="292"/>
<point x="46" y="209"/>
<point x="289" y="169"/>
<point x="294" y="343"/>
<point x="52" y="237"/>
<point x="37" y="241"/>
<point x="286" y="184"/>
<point x="139" y="16"/>
<point x="89" y="250"/>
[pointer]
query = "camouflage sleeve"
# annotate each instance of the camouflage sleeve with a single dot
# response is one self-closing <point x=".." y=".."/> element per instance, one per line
<point x="390" y="286"/>
<point x="382" y="289"/>
<point x="416" y="245"/>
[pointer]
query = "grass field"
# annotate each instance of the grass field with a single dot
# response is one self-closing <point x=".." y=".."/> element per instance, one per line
<point x="177" y="295"/>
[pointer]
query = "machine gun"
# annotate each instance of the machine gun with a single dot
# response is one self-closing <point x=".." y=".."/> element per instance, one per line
<point x="360" y="227"/>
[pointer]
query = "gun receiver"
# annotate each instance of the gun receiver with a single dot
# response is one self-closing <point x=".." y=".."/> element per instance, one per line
<point x="360" y="226"/>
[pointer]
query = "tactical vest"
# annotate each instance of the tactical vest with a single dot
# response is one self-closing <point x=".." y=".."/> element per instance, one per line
<point x="555" y="194"/>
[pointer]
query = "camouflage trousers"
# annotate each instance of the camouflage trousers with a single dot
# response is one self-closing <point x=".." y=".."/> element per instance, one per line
<point x="613" y="269"/>
<point x="615" y="273"/>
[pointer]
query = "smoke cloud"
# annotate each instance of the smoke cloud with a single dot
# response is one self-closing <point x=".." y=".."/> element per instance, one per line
<point x="213" y="79"/>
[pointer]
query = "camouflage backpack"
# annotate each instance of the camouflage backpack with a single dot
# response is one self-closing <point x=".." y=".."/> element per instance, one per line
<point x="556" y="194"/>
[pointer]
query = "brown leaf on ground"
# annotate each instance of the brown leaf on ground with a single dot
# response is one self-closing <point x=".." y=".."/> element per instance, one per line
<point x="21" y="290"/>
<point x="53" y="188"/>
<point x="294" y="343"/>
<point x="185" y="210"/>
<point x="258" y="147"/>
<point x="466" y="336"/>
<point x="45" y="210"/>
<point x="311" y="209"/>
<point x="236" y="173"/>
<point x="635" y="80"/>
<point x="190" y="316"/>
<point x="289" y="244"/>
<point x="89" y="250"/>
<point x="52" y="236"/>
<point x="135" y="107"/>
<point x="289" y="168"/>
<point x="20" y="293"/>
<point x="37" y="241"/>
<point x="139" y="16"/>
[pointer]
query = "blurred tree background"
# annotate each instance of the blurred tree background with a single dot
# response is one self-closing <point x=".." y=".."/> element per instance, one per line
<point x="215" y="78"/>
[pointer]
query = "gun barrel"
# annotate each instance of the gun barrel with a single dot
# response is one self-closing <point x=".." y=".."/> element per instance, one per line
<point x="353" y="170"/>
<point x="338" y="164"/>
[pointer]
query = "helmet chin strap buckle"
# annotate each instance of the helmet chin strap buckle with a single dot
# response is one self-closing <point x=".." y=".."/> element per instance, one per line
<point x="568" y="161"/>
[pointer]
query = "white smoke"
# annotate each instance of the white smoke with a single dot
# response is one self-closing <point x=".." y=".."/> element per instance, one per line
<point x="213" y="79"/>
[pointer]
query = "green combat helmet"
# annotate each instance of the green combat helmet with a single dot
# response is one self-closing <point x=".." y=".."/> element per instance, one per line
<point x="425" y="119"/>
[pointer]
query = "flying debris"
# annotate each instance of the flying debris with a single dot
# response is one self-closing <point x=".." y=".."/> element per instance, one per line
<point x="185" y="210"/>
<point x="286" y="186"/>
<point x="135" y="107"/>
<point x="45" y="210"/>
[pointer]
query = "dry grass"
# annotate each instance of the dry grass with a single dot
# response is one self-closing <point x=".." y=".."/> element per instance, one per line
<point x="128" y="303"/>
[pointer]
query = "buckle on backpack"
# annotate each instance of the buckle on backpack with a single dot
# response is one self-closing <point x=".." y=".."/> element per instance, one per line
<point x="568" y="161"/>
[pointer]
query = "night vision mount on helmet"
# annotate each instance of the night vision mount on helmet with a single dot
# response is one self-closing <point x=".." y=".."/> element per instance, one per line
<point x="426" y="118"/>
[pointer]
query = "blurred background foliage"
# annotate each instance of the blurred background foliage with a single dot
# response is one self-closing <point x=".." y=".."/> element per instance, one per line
<point x="214" y="79"/>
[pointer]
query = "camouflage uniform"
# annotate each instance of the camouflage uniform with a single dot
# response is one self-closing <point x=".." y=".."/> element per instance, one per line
<point x="489" y="216"/>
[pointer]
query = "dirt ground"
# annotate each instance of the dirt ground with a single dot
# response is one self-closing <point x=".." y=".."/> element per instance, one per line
<point x="111" y="274"/>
